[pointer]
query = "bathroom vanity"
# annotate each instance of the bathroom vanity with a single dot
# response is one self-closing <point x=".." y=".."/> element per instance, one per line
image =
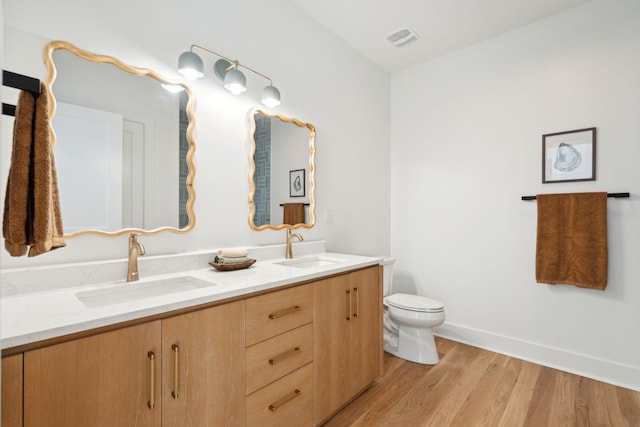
<point x="277" y="344"/>
<point x="285" y="342"/>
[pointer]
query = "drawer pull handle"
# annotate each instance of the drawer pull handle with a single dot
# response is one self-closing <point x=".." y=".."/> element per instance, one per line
<point x="152" y="398"/>
<point x="176" y="380"/>
<point x="274" y="406"/>
<point x="355" y="290"/>
<point x="348" y="304"/>
<point x="284" y="355"/>
<point x="285" y="312"/>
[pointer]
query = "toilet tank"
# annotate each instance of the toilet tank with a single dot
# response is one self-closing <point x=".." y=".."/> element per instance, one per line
<point x="387" y="274"/>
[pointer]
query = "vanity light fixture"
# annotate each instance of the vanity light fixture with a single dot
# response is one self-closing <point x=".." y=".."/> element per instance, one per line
<point x="191" y="66"/>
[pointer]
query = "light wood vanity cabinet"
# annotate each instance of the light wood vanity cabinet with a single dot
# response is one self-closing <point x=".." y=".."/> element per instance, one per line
<point x="12" y="391"/>
<point x="348" y="338"/>
<point x="288" y="357"/>
<point x="186" y="370"/>
<point x="279" y="355"/>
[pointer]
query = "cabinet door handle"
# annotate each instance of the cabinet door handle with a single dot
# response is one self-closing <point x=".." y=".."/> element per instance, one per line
<point x="348" y="304"/>
<point x="355" y="290"/>
<point x="274" y="406"/>
<point x="176" y="372"/>
<point x="152" y="363"/>
<point x="285" y="312"/>
<point x="284" y="355"/>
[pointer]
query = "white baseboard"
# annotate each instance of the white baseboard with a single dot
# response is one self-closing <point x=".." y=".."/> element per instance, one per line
<point x="598" y="369"/>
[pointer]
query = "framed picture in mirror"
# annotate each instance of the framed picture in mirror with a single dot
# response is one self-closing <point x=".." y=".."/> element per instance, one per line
<point x="296" y="183"/>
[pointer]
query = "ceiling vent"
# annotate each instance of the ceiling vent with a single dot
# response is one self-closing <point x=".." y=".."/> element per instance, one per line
<point x="402" y="37"/>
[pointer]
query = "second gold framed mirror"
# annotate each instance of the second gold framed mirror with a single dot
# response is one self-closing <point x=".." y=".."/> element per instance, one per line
<point x="281" y="172"/>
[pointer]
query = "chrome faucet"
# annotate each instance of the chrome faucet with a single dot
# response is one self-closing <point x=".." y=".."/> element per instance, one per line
<point x="290" y="240"/>
<point x="135" y="249"/>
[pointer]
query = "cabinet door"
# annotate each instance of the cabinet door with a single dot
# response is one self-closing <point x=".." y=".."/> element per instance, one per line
<point x="366" y="328"/>
<point x="332" y="316"/>
<point x="203" y="370"/>
<point x="12" y="391"/>
<point x="101" y="380"/>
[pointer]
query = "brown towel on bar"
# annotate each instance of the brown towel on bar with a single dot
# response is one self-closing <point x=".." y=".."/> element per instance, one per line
<point x="571" y="246"/>
<point x="16" y="208"/>
<point x="293" y="213"/>
<point x="32" y="217"/>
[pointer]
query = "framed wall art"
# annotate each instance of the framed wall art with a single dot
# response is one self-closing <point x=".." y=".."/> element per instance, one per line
<point x="569" y="156"/>
<point x="296" y="183"/>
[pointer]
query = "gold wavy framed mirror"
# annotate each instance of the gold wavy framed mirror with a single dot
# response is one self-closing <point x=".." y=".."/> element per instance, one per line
<point x="123" y="142"/>
<point x="281" y="171"/>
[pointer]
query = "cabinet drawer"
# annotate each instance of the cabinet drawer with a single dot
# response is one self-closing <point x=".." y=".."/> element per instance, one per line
<point x="271" y="359"/>
<point x="272" y="314"/>
<point x="286" y="402"/>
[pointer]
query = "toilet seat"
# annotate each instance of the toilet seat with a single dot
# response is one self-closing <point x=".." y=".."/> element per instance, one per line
<point x="414" y="303"/>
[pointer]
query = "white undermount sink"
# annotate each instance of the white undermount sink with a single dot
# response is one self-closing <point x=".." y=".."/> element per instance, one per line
<point x="310" y="262"/>
<point x="135" y="291"/>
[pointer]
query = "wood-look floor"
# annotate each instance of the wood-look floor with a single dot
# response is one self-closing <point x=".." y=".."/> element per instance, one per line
<point x="471" y="387"/>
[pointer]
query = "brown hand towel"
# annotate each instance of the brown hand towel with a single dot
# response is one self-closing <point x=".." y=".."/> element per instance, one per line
<point x="293" y="213"/>
<point x="32" y="209"/>
<point x="16" y="200"/>
<point x="47" y="218"/>
<point x="571" y="246"/>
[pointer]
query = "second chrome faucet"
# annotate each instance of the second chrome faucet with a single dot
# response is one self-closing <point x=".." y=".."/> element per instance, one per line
<point x="290" y="237"/>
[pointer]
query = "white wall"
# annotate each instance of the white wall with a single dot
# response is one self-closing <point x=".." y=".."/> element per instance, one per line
<point x="466" y="145"/>
<point x="322" y="82"/>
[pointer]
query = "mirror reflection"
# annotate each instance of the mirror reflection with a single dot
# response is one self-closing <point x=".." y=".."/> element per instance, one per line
<point x="281" y="172"/>
<point x="124" y="145"/>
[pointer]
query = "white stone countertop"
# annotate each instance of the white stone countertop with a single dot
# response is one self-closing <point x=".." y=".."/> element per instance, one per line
<point x="32" y="317"/>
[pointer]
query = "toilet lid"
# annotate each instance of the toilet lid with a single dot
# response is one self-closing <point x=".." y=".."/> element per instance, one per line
<point x="414" y="303"/>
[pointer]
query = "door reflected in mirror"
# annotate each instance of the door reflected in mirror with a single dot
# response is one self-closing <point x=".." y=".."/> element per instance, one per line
<point x="281" y="172"/>
<point x="123" y="145"/>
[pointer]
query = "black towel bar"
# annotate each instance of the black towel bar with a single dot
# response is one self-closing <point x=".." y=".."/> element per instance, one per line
<point x="18" y="81"/>
<point x="306" y="204"/>
<point x="616" y="195"/>
<point x="8" y="109"/>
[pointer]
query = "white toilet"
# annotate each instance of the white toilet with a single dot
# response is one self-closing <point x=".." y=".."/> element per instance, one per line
<point x="408" y="320"/>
